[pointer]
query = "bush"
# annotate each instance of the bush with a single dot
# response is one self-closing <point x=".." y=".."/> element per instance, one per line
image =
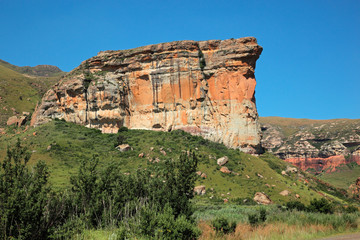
<point x="351" y="209"/>
<point x="23" y="196"/>
<point x="321" y="206"/>
<point x="253" y="219"/>
<point x="257" y="218"/>
<point x="295" y="205"/>
<point x="163" y="224"/>
<point x="221" y="225"/>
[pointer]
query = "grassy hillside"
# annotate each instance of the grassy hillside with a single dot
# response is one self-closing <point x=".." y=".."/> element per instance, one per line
<point x="69" y="143"/>
<point x="343" y="177"/>
<point x="290" y="126"/>
<point x="19" y="92"/>
<point x="38" y="71"/>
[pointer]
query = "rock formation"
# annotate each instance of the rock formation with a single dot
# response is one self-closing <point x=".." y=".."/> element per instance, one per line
<point x="205" y="88"/>
<point x="321" y="145"/>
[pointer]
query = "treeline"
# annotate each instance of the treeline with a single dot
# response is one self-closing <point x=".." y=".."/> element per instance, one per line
<point x="153" y="202"/>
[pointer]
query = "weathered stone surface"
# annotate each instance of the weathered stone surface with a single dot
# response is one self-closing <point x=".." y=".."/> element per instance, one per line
<point x="21" y="121"/>
<point x="203" y="175"/>
<point x="124" y="147"/>
<point x="12" y="120"/>
<point x="225" y="170"/>
<point x="291" y="169"/>
<point x="321" y="164"/>
<point x="284" y="193"/>
<point x="205" y="88"/>
<point x="262" y="198"/>
<point x="222" y="161"/>
<point x="200" y="190"/>
<point x="321" y="145"/>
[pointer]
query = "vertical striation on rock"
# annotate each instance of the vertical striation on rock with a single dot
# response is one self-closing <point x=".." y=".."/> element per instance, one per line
<point x="206" y="88"/>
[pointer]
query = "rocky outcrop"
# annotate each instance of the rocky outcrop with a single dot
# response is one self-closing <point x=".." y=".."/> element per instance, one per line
<point x="262" y="198"/>
<point x="200" y="190"/>
<point x="18" y="121"/>
<point x="320" y="145"/>
<point x="205" y="88"/>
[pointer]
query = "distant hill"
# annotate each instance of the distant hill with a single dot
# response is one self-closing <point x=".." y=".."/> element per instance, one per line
<point x="39" y="70"/>
<point x="20" y="92"/>
<point x="330" y="148"/>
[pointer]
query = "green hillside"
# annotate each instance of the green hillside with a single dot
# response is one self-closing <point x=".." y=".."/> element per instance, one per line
<point x="345" y="176"/>
<point x="38" y="71"/>
<point x="20" y="93"/>
<point x="63" y="144"/>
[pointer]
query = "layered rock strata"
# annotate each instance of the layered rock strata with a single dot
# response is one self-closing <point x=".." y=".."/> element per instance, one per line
<point x="320" y="145"/>
<point x="206" y="88"/>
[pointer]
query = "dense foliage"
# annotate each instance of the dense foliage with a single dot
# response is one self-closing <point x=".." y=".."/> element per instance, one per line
<point x="154" y="202"/>
<point x="222" y="225"/>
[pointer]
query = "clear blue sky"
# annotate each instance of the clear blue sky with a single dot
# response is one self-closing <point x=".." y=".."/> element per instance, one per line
<point x="309" y="68"/>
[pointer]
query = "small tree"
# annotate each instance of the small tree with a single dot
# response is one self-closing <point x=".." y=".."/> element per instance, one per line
<point x="23" y="196"/>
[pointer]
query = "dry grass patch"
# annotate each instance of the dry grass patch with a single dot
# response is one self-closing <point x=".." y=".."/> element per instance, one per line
<point x="269" y="231"/>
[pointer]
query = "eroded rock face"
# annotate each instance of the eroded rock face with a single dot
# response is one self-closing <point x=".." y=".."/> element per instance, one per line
<point x="205" y="88"/>
<point x="320" y="145"/>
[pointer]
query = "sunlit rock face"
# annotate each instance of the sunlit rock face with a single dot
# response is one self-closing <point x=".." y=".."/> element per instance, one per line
<point x="206" y="88"/>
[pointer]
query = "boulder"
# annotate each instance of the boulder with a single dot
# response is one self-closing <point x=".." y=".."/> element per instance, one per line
<point x="225" y="170"/>
<point x="203" y="175"/>
<point x="200" y="190"/>
<point x="284" y="193"/>
<point x="12" y="120"/>
<point x="291" y="169"/>
<point x="222" y="161"/>
<point x="21" y="121"/>
<point x="262" y="198"/>
<point x="124" y="147"/>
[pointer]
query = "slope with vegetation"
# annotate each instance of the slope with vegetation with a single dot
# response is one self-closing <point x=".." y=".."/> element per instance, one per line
<point x="330" y="148"/>
<point x="89" y="189"/>
<point x="22" y="87"/>
<point x="62" y="145"/>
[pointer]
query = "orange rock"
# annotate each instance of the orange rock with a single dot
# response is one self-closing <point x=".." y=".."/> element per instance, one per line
<point x="206" y="88"/>
<point x="319" y="164"/>
<point x="225" y="170"/>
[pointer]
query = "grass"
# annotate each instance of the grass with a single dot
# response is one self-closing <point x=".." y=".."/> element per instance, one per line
<point x="279" y="224"/>
<point x="20" y="92"/>
<point x="70" y="143"/>
<point x="343" y="177"/>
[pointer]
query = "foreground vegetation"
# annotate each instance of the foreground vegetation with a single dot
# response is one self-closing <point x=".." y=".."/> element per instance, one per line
<point x="153" y="203"/>
<point x="89" y="190"/>
<point x="64" y="145"/>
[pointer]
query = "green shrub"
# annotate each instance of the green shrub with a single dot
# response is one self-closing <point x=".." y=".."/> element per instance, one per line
<point x="221" y="225"/>
<point x="253" y="219"/>
<point x="257" y="218"/>
<point x="321" y="206"/>
<point x="23" y="196"/>
<point x="295" y="205"/>
<point x="263" y="215"/>
<point x="351" y="209"/>
<point x="163" y="224"/>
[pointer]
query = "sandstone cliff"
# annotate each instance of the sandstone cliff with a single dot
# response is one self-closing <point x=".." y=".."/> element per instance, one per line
<point x="205" y="88"/>
<point x="321" y="145"/>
